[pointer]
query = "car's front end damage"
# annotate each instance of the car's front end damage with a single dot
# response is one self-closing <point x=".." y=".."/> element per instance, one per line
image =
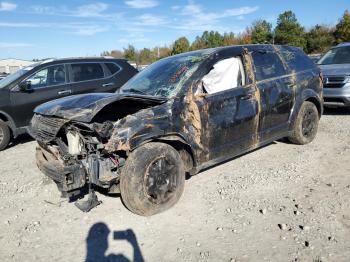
<point x="82" y="147"/>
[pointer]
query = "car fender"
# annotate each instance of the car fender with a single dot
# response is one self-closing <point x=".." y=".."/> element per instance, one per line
<point x="306" y="95"/>
<point x="10" y="123"/>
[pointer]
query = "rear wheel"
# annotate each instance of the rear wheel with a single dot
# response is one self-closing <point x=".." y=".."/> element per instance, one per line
<point x="152" y="179"/>
<point x="5" y="135"/>
<point x="306" y="124"/>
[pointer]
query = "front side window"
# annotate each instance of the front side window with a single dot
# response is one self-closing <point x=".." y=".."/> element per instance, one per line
<point x="50" y="76"/>
<point x="267" y="65"/>
<point x="339" y="55"/>
<point x="87" y="71"/>
<point x="224" y="75"/>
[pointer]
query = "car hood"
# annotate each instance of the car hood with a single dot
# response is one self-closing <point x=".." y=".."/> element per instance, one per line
<point x="335" y="69"/>
<point x="83" y="108"/>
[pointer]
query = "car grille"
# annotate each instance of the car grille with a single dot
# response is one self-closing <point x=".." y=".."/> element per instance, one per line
<point x="45" y="128"/>
<point x="334" y="81"/>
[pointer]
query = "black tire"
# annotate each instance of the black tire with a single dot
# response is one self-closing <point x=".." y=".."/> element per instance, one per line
<point x="5" y="135"/>
<point x="153" y="179"/>
<point x="306" y="124"/>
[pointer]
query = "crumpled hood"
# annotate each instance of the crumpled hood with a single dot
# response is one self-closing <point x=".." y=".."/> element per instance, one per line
<point x="83" y="108"/>
<point x="336" y="70"/>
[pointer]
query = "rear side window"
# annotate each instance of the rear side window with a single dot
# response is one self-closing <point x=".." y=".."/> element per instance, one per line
<point x="87" y="71"/>
<point x="267" y="65"/>
<point x="112" y="67"/>
<point x="296" y="59"/>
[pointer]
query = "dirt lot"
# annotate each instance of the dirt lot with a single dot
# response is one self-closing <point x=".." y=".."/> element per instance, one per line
<point x="279" y="203"/>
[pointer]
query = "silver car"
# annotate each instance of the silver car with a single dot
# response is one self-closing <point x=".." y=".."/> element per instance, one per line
<point x="335" y="66"/>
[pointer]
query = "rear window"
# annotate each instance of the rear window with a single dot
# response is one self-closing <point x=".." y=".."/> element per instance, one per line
<point x="112" y="67"/>
<point x="267" y="65"/>
<point x="87" y="71"/>
<point x="296" y="59"/>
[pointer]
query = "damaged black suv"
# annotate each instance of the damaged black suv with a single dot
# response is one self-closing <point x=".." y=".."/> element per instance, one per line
<point x="180" y="115"/>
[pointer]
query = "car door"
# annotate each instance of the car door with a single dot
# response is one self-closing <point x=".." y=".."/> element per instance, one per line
<point x="276" y="93"/>
<point x="90" y="77"/>
<point x="230" y="120"/>
<point x="44" y="85"/>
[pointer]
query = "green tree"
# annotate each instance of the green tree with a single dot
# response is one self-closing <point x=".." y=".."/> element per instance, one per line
<point x="288" y="30"/>
<point x="342" y="29"/>
<point x="130" y="53"/>
<point x="229" y="39"/>
<point x="198" y="43"/>
<point x="319" y="39"/>
<point x="261" y="32"/>
<point x="212" y="39"/>
<point x="145" y="56"/>
<point x="181" y="45"/>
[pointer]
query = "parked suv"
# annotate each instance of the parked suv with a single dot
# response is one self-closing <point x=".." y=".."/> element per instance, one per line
<point x="335" y="66"/>
<point x="180" y="115"/>
<point x="29" y="87"/>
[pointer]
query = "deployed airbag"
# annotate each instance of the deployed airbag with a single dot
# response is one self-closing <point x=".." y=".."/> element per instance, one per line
<point x="226" y="74"/>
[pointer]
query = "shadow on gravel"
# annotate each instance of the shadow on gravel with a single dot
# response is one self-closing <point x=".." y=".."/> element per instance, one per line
<point x="22" y="139"/>
<point x="97" y="244"/>
<point x="336" y="111"/>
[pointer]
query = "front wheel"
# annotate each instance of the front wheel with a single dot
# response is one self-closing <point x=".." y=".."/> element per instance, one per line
<point x="153" y="179"/>
<point x="306" y="124"/>
<point x="5" y="135"/>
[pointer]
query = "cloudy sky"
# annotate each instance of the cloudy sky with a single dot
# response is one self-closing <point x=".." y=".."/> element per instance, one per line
<point x="39" y="29"/>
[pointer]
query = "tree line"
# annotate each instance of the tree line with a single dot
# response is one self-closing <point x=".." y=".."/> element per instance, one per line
<point x="288" y="31"/>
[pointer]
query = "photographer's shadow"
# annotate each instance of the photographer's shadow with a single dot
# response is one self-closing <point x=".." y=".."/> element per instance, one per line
<point x="97" y="244"/>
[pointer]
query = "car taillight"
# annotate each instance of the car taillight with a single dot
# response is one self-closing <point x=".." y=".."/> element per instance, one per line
<point x="321" y="77"/>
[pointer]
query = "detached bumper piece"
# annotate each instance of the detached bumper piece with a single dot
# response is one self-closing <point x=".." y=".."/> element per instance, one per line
<point x="70" y="180"/>
<point x="90" y="203"/>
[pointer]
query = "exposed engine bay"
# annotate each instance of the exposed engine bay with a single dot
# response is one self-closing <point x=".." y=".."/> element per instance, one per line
<point x="76" y="155"/>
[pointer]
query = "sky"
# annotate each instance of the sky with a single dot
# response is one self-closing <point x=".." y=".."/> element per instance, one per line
<point x="68" y="28"/>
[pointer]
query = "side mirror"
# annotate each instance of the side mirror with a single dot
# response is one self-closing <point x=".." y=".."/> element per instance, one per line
<point x="25" y="86"/>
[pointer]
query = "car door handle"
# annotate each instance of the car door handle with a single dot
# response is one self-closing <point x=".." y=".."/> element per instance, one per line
<point x="108" y="84"/>
<point x="65" y="92"/>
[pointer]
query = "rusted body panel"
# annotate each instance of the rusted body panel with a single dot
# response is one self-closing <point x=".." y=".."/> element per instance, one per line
<point x="212" y="128"/>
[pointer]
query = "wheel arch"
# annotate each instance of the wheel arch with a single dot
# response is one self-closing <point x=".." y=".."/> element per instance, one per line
<point x="317" y="103"/>
<point x="307" y="95"/>
<point x="180" y="144"/>
<point x="9" y="121"/>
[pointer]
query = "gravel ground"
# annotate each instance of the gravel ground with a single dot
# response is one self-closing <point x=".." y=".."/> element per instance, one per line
<point x="279" y="203"/>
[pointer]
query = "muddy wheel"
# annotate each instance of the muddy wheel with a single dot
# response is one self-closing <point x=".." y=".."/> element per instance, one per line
<point x="306" y="124"/>
<point x="5" y="135"/>
<point x="152" y="179"/>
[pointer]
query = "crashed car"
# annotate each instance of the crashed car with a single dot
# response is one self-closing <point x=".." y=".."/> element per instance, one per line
<point x="179" y="116"/>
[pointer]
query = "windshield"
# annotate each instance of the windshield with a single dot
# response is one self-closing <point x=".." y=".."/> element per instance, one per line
<point x="12" y="77"/>
<point x="338" y="55"/>
<point x="165" y="77"/>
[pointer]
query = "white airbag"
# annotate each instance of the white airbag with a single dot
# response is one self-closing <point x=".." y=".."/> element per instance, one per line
<point x="226" y="74"/>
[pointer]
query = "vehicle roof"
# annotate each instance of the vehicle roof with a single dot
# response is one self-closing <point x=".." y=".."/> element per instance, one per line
<point x="219" y="49"/>
<point x="81" y="59"/>
<point x="343" y="44"/>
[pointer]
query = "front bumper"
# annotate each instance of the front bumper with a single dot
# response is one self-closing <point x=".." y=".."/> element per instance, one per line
<point x="70" y="179"/>
<point x="337" y="97"/>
